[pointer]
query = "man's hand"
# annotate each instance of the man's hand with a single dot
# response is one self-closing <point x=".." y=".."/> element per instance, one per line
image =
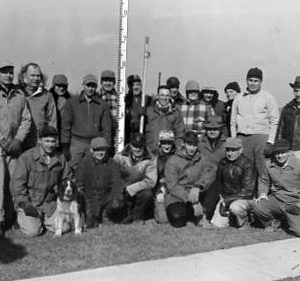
<point x="130" y="191"/>
<point x="193" y="195"/>
<point x="261" y="197"/>
<point x="268" y="151"/>
<point x="29" y="210"/>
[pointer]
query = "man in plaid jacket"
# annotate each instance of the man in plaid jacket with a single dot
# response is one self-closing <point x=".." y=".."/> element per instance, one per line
<point x="194" y="111"/>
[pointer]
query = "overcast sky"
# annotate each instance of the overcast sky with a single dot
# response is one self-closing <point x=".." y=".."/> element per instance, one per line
<point x="214" y="41"/>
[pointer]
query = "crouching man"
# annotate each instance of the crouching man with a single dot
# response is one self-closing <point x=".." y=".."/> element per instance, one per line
<point x="279" y="191"/>
<point x="38" y="173"/>
<point x="98" y="175"/>
<point x="236" y="178"/>
<point x="188" y="176"/>
<point x="138" y="169"/>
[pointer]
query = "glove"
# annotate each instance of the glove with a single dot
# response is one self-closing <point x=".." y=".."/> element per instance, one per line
<point x="15" y="148"/>
<point x="224" y="212"/>
<point x="293" y="209"/>
<point x="130" y="191"/>
<point x="198" y="210"/>
<point x="193" y="195"/>
<point x="268" y="151"/>
<point x="29" y="210"/>
<point x="65" y="149"/>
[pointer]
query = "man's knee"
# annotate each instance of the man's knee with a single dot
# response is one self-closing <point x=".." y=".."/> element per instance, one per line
<point x="144" y="196"/>
<point x="239" y="207"/>
<point x="30" y="226"/>
<point x="177" y="214"/>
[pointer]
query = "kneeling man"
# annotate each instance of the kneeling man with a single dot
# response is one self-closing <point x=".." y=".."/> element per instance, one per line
<point x="236" y="178"/>
<point x="279" y="190"/>
<point x="38" y="173"/>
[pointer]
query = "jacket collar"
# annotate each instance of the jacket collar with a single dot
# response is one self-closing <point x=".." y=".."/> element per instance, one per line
<point x="37" y="156"/>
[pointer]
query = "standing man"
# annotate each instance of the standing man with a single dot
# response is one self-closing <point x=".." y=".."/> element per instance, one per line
<point x="289" y="122"/>
<point x="279" y="191"/>
<point x="41" y="103"/>
<point x="163" y="116"/>
<point x="236" y="177"/>
<point x="108" y="93"/>
<point x="254" y="119"/>
<point x="173" y="83"/>
<point x="15" y="122"/>
<point x="84" y="117"/>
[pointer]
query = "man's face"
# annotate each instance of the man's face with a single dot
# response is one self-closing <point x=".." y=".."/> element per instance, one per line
<point x="89" y="88"/>
<point x="230" y="94"/>
<point x="166" y="146"/>
<point x="137" y="152"/>
<point x="164" y="97"/>
<point x="6" y="75"/>
<point x="208" y="96"/>
<point x="99" y="153"/>
<point x="137" y="88"/>
<point x="213" y="133"/>
<point x="108" y="84"/>
<point x="282" y="157"/>
<point x="233" y="153"/>
<point x="253" y="84"/>
<point x="192" y="95"/>
<point x="48" y="144"/>
<point x="174" y="91"/>
<point x="60" y="89"/>
<point x="297" y="94"/>
<point x="190" y="149"/>
<point x="33" y="77"/>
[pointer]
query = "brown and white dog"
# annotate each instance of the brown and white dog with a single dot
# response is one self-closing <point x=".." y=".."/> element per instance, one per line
<point x="70" y="208"/>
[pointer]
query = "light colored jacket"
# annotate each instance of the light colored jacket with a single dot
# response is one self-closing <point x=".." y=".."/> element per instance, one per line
<point x="255" y="114"/>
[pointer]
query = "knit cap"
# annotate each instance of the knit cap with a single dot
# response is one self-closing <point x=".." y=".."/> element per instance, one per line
<point x="233" y="86"/>
<point x="192" y="85"/>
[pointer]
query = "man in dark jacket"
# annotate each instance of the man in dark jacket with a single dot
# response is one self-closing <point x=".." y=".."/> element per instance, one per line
<point x="98" y="175"/>
<point x="289" y="122"/>
<point x="84" y="117"/>
<point x="237" y="180"/>
<point x="173" y="83"/>
<point x="38" y="173"/>
<point x="279" y="191"/>
<point x="188" y="176"/>
<point x="162" y="116"/>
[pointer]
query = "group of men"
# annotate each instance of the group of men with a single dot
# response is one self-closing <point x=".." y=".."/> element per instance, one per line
<point x="200" y="160"/>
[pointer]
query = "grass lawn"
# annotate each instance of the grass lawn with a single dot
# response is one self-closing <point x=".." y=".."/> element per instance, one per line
<point x="116" y="244"/>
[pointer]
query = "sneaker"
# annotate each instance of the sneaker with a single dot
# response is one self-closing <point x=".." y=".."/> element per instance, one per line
<point x="274" y="226"/>
<point x="206" y="224"/>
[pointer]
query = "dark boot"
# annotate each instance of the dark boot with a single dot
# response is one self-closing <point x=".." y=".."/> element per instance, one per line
<point x="2" y="229"/>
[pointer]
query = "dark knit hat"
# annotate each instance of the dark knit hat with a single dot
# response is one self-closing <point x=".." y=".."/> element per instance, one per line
<point x="233" y="86"/>
<point x="282" y="145"/>
<point x="190" y="137"/>
<point x="255" y="73"/>
<point x="173" y="82"/>
<point x="133" y="78"/>
<point x="60" y="79"/>
<point x="47" y="131"/>
<point x="138" y="140"/>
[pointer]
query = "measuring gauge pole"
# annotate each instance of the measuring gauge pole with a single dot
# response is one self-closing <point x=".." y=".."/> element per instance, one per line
<point x="121" y="85"/>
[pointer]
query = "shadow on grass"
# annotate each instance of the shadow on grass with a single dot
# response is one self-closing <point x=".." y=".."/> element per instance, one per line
<point x="10" y="252"/>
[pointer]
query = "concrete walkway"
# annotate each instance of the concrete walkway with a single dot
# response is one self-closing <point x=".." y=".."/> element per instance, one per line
<point x="259" y="262"/>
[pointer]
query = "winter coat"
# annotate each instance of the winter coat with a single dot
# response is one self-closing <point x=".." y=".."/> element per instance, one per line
<point x="15" y="118"/>
<point x="43" y="112"/>
<point x="158" y="119"/>
<point x="228" y="108"/>
<point x="183" y="172"/>
<point x="85" y="120"/>
<point x="216" y="153"/>
<point x="237" y="179"/>
<point x="33" y="180"/>
<point x="101" y="180"/>
<point x="137" y="175"/>
<point x="289" y="124"/>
